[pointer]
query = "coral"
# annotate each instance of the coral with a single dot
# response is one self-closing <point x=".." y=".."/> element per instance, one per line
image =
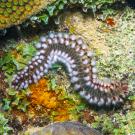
<point x="13" y="12"/>
<point x="74" y="54"/>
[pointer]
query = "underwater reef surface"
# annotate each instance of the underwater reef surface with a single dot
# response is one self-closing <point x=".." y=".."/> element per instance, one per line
<point x="52" y="98"/>
<point x="113" y="44"/>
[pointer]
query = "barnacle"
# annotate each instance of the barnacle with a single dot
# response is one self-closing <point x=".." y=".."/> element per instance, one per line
<point x="13" y="12"/>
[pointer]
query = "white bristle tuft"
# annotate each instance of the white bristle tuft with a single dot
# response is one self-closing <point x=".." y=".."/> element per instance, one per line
<point x="77" y="49"/>
<point x="82" y="93"/>
<point x="44" y="46"/>
<point x="55" y="41"/>
<point x="81" y="53"/>
<point x="89" y="54"/>
<point x="66" y="35"/>
<point x="41" y="68"/>
<point x="88" y="83"/>
<point x="73" y="37"/>
<point x="14" y="77"/>
<point x="41" y="57"/>
<point x="46" y="71"/>
<point x="43" y="39"/>
<point x="35" y="63"/>
<point x="74" y="79"/>
<point x="38" y="77"/>
<point x="87" y="70"/>
<point x="39" y="61"/>
<point x="87" y="78"/>
<point x="72" y="61"/>
<point x="37" y="72"/>
<point x="35" y="80"/>
<point x="38" y="45"/>
<point x="60" y="35"/>
<point x="101" y="88"/>
<point x="77" y="86"/>
<point x="59" y="53"/>
<point x="49" y="41"/>
<point x="46" y="66"/>
<point x="95" y="87"/>
<point x="87" y="96"/>
<point x="91" y="101"/>
<point x="30" y="81"/>
<point x="67" y="42"/>
<point x="25" y="86"/>
<point x="108" y="101"/>
<point x="95" y="100"/>
<point x="63" y="54"/>
<point x="75" y="73"/>
<point x="79" y="41"/>
<point x="94" y="76"/>
<point x="36" y="57"/>
<point x="22" y="85"/>
<point x="18" y="77"/>
<point x="94" y="70"/>
<point x="85" y="62"/>
<point x="41" y="74"/>
<point x="51" y="35"/>
<point x="73" y="66"/>
<point x="73" y="45"/>
<point x="93" y="62"/>
<point x="41" y="52"/>
<point x="16" y="81"/>
<point x="61" y="40"/>
<point x="101" y="102"/>
<point x="114" y="102"/>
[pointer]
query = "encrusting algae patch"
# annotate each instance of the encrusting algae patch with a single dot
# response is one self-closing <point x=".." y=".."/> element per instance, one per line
<point x="42" y="96"/>
<point x="45" y="100"/>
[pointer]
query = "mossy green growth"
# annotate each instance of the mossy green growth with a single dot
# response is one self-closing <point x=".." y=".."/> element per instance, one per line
<point x="117" y="124"/>
<point x="16" y="100"/>
<point x="4" y="128"/>
<point x="120" y="62"/>
<point x="94" y="5"/>
<point x="11" y="62"/>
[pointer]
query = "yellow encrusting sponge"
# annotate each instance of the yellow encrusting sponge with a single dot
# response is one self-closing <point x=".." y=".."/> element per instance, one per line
<point x="13" y="12"/>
